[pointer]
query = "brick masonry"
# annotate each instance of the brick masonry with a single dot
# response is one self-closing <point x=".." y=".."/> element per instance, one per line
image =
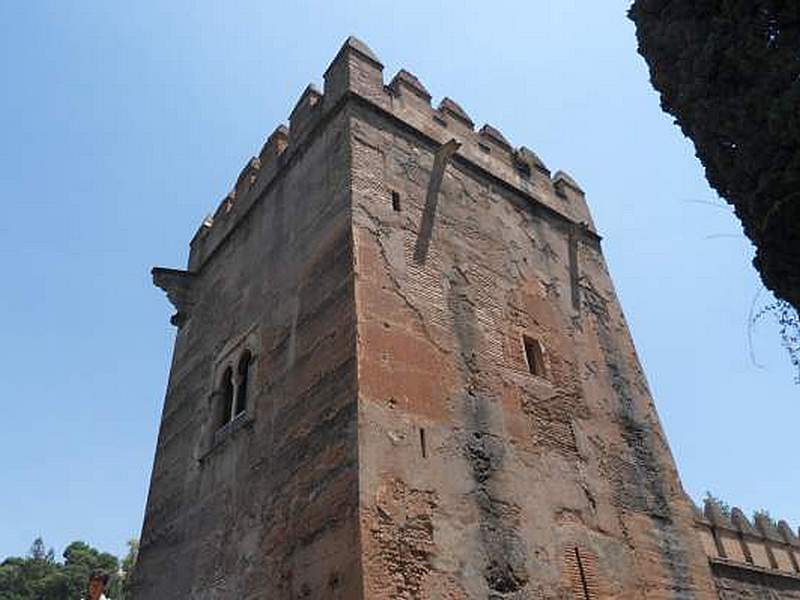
<point x="749" y="560"/>
<point x="396" y="443"/>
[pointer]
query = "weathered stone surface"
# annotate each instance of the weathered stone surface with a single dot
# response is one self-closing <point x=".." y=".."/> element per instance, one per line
<point x="272" y="511"/>
<point x="746" y="561"/>
<point x="523" y="468"/>
<point x="467" y="421"/>
<point x="735" y="582"/>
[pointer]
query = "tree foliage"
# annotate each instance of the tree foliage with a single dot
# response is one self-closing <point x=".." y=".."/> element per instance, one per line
<point x="788" y="321"/>
<point x="38" y="576"/>
<point x="128" y="564"/>
<point x="729" y="72"/>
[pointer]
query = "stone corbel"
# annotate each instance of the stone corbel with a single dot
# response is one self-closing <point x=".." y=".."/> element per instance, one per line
<point x="178" y="286"/>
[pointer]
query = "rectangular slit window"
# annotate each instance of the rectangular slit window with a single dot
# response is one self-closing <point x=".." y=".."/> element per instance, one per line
<point x="534" y="356"/>
<point x="395" y="201"/>
<point x="422" y="445"/>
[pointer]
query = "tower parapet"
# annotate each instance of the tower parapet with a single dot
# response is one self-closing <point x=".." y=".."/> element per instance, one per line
<point x="356" y="73"/>
<point x="731" y="540"/>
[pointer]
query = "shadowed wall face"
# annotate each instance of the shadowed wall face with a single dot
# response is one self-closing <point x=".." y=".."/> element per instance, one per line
<point x="258" y="499"/>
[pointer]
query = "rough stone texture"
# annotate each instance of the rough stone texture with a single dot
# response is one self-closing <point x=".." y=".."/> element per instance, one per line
<point x="761" y="561"/>
<point x="523" y="468"/>
<point x="735" y="582"/>
<point x="396" y="444"/>
<point x="271" y="510"/>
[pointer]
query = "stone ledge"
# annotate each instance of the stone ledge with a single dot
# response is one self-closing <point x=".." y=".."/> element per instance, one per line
<point x="753" y="568"/>
<point x="227" y="432"/>
<point x="363" y="82"/>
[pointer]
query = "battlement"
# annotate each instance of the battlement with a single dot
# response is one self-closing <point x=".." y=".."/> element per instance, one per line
<point x="356" y="74"/>
<point x="731" y="539"/>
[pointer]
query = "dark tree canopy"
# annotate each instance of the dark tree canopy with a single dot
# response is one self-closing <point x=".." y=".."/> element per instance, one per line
<point x="38" y="576"/>
<point x="729" y="72"/>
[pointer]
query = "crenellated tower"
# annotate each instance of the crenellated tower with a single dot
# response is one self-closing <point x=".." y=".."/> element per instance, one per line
<point x="401" y="371"/>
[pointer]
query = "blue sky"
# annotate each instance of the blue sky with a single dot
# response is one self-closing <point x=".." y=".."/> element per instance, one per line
<point x="125" y="123"/>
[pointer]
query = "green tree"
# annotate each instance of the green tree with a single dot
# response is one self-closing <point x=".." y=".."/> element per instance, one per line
<point x="127" y="568"/>
<point x="80" y="560"/>
<point x="34" y="577"/>
<point x="729" y="72"/>
<point x="13" y="585"/>
<point x="38" y="576"/>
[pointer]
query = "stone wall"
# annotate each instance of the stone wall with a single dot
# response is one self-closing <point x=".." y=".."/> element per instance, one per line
<point x="446" y="402"/>
<point x="749" y="560"/>
<point x="479" y="479"/>
<point x="265" y="507"/>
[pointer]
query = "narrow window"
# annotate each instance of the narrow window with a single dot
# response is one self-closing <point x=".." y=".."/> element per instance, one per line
<point x="226" y="397"/>
<point x="534" y="356"/>
<point x="395" y="201"/>
<point x="422" y="445"/>
<point x="243" y="372"/>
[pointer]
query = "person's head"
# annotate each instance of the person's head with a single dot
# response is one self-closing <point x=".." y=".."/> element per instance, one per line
<point x="98" y="581"/>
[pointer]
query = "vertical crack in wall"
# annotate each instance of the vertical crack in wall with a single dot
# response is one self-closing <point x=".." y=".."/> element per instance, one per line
<point x="505" y="571"/>
<point x="639" y="485"/>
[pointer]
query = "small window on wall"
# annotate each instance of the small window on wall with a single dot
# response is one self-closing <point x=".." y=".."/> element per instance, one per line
<point x="243" y="376"/>
<point x="534" y="356"/>
<point x="395" y="201"/>
<point x="226" y="397"/>
<point x="234" y="388"/>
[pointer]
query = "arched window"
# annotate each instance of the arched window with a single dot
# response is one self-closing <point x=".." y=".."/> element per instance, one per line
<point x="243" y="377"/>
<point x="226" y="397"/>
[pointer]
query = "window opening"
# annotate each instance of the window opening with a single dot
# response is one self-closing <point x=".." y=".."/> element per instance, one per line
<point x="534" y="356"/>
<point x="243" y="372"/>
<point x="395" y="201"/>
<point x="226" y="391"/>
<point x="422" y="445"/>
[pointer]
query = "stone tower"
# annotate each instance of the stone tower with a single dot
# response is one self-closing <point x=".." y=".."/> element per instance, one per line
<point x="401" y="371"/>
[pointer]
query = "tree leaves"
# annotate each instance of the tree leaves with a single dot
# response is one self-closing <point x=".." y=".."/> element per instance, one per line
<point x="39" y="576"/>
<point x="729" y="72"/>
